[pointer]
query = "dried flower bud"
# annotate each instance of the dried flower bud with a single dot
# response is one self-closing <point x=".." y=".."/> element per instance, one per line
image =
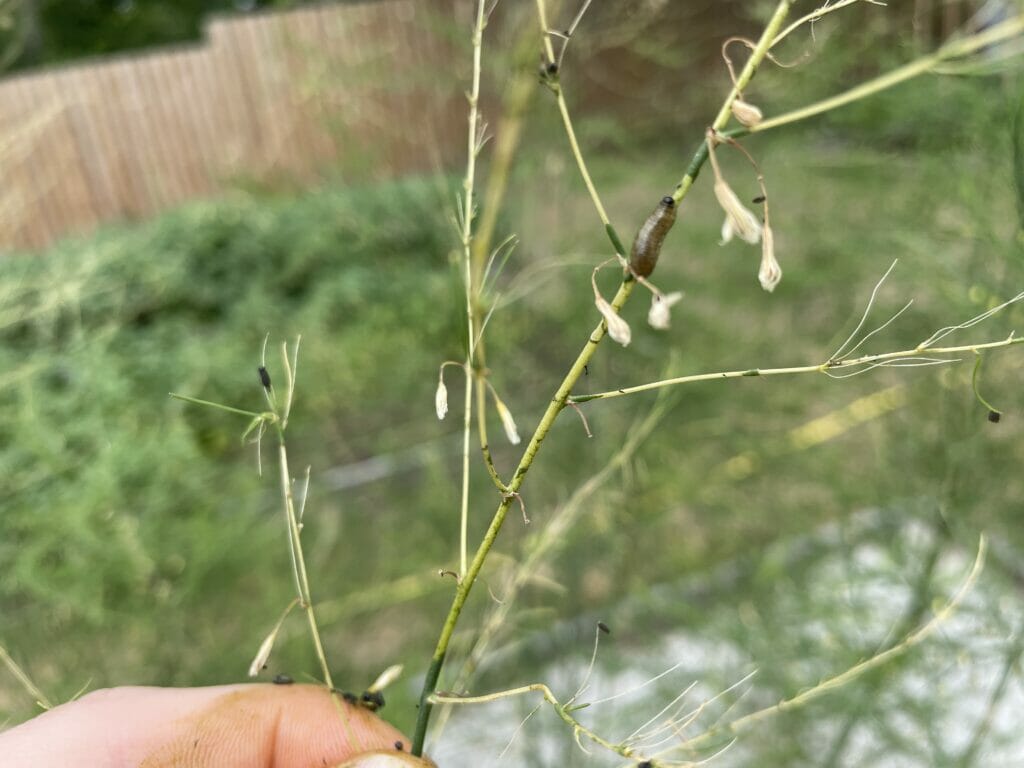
<point x="507" y="422"/>
<point x="386" y="678"/>
<point x="263" y="654"/>
<point x="658" y="316"/>
<point x="739" y="219"/>
<point x="441" y="399"/>
<point x="746" y="113"/>
<point x="618" y="328"/>
<point x="770" y="272"/>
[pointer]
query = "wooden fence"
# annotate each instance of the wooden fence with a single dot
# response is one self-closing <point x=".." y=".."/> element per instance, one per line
<point x="275" y="98"/>
<point x="358" y="90"/>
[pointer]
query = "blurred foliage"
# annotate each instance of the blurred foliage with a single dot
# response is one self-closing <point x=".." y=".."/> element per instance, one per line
<point x="122" y="507"/>
<point x="61" y="30"/>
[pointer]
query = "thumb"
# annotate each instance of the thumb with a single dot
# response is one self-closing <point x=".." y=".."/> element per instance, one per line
<point x="237" y="726"/>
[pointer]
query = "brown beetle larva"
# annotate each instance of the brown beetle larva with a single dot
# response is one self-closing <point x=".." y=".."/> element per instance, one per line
<point x="647" y="246"/>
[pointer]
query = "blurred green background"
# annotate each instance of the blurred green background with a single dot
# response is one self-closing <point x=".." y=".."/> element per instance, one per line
<point x="793" y="526"/>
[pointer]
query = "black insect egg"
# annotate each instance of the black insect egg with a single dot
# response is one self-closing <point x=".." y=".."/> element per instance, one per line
<point x="647" y="246"/>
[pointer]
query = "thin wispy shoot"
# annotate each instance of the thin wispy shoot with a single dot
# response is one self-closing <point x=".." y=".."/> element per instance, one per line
<point x="831" y="684"/>
<point x="23" y="678"/>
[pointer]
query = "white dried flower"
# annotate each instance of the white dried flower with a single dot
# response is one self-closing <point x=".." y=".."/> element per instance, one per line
<point x="507" y="422"/>
<point x="739" y="219"/>
<point x="770" y="272"/>
<point x="386" y="678"/>
<point x="441" y="399"/>
<point x="746" y="113"/>
<point x="263" y="654"/>
<point x="618" y="328"/>
<point x="658" y="316"/>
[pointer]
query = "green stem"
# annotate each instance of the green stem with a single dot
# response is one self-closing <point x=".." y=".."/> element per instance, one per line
<point x="24" y="679"/>
<point x="1004" y="31"/>
<point x="218" y="406"/>
<point x="558" y="402"/>
<point x="977" y="393"/>
<point x="563" y="109"/>
<point x="468" y="184"/>
<point x="465" y="584"/>
<point x="562" y="710"/>
<point x="481" y="428"/>
<point x="298" y="558"/>
<point x="837" y="681"/>
<point x="820" y="368"/>
<point x="742" y="81"/>
<point x="467" y="416"/>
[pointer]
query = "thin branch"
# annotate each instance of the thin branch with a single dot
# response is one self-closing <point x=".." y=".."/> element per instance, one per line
<point x="981" y="731"/>
<point x="26" y="682"/>
<point x="744" y="78"/>
<point x="839" y="353"/>
<point x="473" y="140"/>
<point x="562" y="710"/>
<point x="944" y="332"/>
<point x="481" y="428"/>
<point x="553" y="536"/>
<point x="567" y="34"/>
<point x="879" y="329"/>
<point x="219" y="407"/>
<point x="563" y="109"/>
<point x="837" y="681"/>
<point x="639" y="734"/>
<point x="819" y="13"/>
<point x="952" y="50"/>
<point x="994" y="413"/>
<point x="890" y="359"/>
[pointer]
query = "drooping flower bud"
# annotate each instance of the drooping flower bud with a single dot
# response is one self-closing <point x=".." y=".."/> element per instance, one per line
<point x="739" y="220"/>
<point x="263" y="654"/>
<point x="746" y="113"/>
<point x="770" y="272"/>
<point x="441" y="398"/>
<point x="618" y="328"/>
<point x="658" y="316"/>
<point x="386" y="678"/>
<point x="507" y="422"/>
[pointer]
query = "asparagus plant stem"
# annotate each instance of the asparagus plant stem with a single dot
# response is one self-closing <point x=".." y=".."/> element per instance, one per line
<point x="558" y="402"/>
<point x="826" y="367"/>
<point x="465" y="584"/>
<point x="1003" y="31"/>
<point x="468" y="206"/>
<point x="742" y="81"/>
<point x="299" y="560"/>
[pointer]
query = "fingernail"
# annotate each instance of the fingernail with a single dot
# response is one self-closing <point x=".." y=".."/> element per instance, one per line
<point x="386" y="760"/>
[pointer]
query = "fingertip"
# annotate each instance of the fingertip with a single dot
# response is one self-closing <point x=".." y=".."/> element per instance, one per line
<point x="284" y="726"/>
<point x="240" y="726"/>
